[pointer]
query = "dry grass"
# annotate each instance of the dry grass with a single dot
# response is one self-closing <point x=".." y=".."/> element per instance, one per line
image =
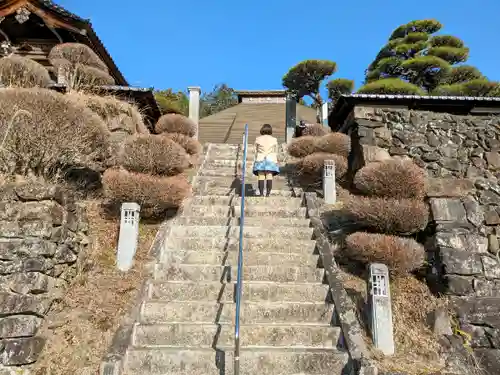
<point x="315" y="130"/>
<point x="175" y="123"/>
<point x="302" y="146"/>
<point x="18" y="71"/>
<point x="45" y="131"/>
<point x="155" y="194"/>
<point x="393" y="179"/>
<point x="412" y="302"/>
<point x="334" y="143"/>
<point x="311" y="167"/>
<point x="191" y="145"/>
<point x="401" y="255"/>
<point x="82" y="77"/>
<point x="389" y="216"/>
<point x="119" y="115"/>
<point x="80" y="327"/>
<point x="67" y="54"/>
<point x="153" y="154"/>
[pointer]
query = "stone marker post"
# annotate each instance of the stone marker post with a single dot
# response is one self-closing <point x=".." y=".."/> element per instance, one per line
<point x="129" y="234"/>
<point x="290" y="117"/>
<point x="329" y="189"/>
<point x="380" y="308"/>
<point x="324" y="114"/>
<point x="194" y="106"/>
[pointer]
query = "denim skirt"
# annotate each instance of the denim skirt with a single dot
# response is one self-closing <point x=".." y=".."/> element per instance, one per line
<point x="267" y="166"/>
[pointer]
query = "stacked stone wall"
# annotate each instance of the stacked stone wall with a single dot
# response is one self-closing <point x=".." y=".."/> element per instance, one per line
<point x="462" y="157"/>
<point x="42" y="238"/>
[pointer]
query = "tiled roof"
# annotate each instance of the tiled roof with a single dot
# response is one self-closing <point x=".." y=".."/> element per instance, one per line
<point x="227" y="126"/>
<point x="260" y="92"/>
<point x="59" y="9"/>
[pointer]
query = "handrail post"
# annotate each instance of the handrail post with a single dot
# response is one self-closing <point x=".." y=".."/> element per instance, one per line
<point x="240" y="258"/>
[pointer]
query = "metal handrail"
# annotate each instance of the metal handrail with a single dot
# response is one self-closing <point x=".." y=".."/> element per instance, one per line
<point x="240" y="257"/>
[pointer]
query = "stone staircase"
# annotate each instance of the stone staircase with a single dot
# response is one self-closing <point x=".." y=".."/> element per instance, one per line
<point x="186" y="324"/>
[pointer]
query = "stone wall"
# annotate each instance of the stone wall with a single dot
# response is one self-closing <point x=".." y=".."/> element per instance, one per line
<point x="462" y="157"/>
<point x="42" y="234"/>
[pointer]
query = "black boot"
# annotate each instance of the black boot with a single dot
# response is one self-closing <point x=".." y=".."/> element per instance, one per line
<point x="269" y="187"/>
<point x="261" y="187"/>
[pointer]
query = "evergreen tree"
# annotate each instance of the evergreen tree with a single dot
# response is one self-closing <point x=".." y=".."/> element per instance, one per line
<point x="417" y="62"/>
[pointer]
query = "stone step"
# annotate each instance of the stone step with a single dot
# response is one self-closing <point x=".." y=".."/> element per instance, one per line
<point x="249" y="191"/>
<point x="234" y="221"/>
<point x="249" y="201"/>
<point x="274" y="244"/>
<point x="226" y="172"/>
<point x="250" y="211"/>
<point x="283" y="273"/>
<point x="232" y="162"/>
<point x="234" y="155"/>
<point x="192" y="335"/>
<point x="248" y="231"/>
<point x="231" y="258"/>
<point x="251" y="291"/>
<point x="305" y="313"/>
<point x="235" y="181"/>
<point x="268" y="361"/>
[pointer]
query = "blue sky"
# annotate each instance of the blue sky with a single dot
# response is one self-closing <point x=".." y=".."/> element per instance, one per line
<point x="250" y="44"/>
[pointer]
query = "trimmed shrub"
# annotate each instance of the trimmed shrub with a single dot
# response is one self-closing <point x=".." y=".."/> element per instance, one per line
<point x="154" y="194"/>
<point x="45" y="131"/>
<point x="153" y="154"/>
<point x="174" y="123"/>
<point x="401" y="255"/>
<point x="119" y="115"/>
<point x="391" y="86"/>
<point x="18" y="71"/>
<point x="390" y="216"/>
<point x="191" y="145"/>
<point x="334" y="143"/>
<point x="82" y="76"/>
<point x="311" y="166"/>
<point x="302" y="146"/>
<point x="315" y="130"/>
<point x="392" y="179"/>
<point x="66" y="54"/>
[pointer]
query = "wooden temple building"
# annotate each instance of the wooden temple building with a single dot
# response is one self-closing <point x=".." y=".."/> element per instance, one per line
<point x="32" y="27"/>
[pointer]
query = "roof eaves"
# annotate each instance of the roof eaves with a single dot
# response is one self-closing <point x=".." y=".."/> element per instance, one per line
<point x="60" y="10"/>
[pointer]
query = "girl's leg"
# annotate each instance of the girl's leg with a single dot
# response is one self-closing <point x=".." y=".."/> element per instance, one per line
<point x="262" y="177"/>
<point x="269" y="183"/>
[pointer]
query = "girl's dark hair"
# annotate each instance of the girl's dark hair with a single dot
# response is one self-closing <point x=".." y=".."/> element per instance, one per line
<point x="266" y="130"/>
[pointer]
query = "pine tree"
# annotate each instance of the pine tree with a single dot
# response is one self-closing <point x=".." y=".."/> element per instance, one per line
<point x="417" y="62"/>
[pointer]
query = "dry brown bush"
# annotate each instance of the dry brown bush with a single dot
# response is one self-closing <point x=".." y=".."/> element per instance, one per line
<point x="191" y="145"/>
<point x="44" y="131"/>
<point x="389" y="216"/>
<point x="392" y="179"/>
<point x="18" y="71"/>
<point x="311" y="166"/>
<point x="154" y="194"/>
<point x="67" y="54"/>
<point x="334" y="143"/>
<point x="82" y="77"/>
<point x="153" y="154"/>
<point x="401" y="255"/>
<point x="174" y="123"/>
<point x="302" y="146"/>
<point x="315" y="130"/>
<point x="119" y="115"/>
